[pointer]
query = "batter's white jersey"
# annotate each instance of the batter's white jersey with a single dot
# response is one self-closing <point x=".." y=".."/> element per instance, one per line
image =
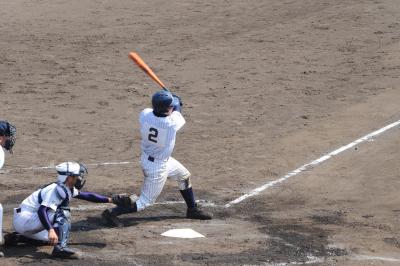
<point x="159" y="133"/>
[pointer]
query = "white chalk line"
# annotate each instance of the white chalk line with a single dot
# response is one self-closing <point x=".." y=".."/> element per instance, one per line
<point x="53" y="166"/>
<point x="366" y="257"/>
<point x="310" y="165"/>
<point x="313" y="260"/>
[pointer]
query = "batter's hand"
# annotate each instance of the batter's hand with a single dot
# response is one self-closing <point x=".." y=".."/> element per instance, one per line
<point x="177" y="99"/>
<point x="53" y="238"/>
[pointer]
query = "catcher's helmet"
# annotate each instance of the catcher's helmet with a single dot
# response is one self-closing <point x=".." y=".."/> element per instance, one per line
<point x="72" y="169"/>
<point x="161" y="101"/>
<point x="8" y="130"/>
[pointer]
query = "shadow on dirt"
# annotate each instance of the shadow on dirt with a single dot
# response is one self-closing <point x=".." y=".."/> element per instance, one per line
<point x="329" y="217"/>
<point x="26" y="251"/>
<point x="294" y="240"/>
<point x="29" y="253"/>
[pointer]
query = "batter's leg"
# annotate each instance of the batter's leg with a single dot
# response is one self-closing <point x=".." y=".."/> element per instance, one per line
<point x="151" y="189"/>
<point x="155" y="175"/>
<point x="154" y="182"/>
<point x="178" y="172"/>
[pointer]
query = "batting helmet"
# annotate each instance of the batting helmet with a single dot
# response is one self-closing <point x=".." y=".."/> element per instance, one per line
<point x="161" y="101"/>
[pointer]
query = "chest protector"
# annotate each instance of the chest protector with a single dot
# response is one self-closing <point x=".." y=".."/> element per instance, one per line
<point x="62" y="192"/>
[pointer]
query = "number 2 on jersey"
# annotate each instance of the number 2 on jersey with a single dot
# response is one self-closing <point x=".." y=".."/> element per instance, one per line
<point x="153" y="134"/>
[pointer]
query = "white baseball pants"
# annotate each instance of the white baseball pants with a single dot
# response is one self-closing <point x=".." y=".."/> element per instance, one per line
<point x="155" y="174"/>
<point x="28" y="224"/>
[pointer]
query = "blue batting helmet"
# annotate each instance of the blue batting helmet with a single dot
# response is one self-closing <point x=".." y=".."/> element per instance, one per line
<point x="161" y="101"/>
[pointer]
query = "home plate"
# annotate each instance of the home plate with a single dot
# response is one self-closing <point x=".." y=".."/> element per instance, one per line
<point x="182" y="233"/>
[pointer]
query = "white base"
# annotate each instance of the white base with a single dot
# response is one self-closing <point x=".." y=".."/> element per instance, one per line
<point x="182" y="233"/>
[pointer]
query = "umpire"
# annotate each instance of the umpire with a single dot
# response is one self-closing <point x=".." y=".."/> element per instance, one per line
<point x="7" y="141"/>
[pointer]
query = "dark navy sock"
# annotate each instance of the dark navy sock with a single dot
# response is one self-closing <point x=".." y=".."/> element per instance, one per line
<point x="122" y="210"/>
<point x="188" y="196"/>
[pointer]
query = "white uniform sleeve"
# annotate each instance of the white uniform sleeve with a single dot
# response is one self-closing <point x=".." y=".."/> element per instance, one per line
<point x="1" y="157"/>
<point x="178" y="120"/>
<point x="51" y="198"/>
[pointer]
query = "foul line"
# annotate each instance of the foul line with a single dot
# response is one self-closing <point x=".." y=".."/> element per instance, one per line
<point x="310" y="165"/>
<point x="365" y="257"/>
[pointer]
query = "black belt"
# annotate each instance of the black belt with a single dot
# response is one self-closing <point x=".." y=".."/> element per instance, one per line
<point x="18" y="210"/>
<point x="151" y="158"/>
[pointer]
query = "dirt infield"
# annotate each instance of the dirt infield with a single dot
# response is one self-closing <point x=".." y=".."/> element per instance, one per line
<point x="267" y="86"/>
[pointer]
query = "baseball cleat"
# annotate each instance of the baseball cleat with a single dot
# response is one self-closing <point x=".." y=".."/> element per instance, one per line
<point x="111" y="219"/>
<point x="64" y="253"/>
<point x="198" y="214"/>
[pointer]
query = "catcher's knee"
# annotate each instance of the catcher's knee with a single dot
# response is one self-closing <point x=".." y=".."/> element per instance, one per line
<point x="184" y="182"/>
<point x="62" y="217"/>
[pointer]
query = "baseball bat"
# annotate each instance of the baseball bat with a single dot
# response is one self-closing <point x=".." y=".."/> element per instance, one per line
<point x="139" y="61"/>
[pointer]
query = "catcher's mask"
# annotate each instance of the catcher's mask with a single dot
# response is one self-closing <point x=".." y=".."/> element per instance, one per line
<point x="83" y="172"/>
<point x="73" y="169"/>
<point x="8" y="130"/>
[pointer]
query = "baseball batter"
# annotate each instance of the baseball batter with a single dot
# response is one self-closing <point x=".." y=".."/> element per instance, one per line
<point x="158" y="128"/>
<point x="44" y="216"/>
<point x="7" y="141"/>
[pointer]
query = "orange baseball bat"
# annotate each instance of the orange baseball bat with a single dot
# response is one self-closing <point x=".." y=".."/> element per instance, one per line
<point x="139" y="61"/>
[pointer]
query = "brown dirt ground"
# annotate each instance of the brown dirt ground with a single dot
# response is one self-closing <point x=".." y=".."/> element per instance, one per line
<point x="267" y="86"/>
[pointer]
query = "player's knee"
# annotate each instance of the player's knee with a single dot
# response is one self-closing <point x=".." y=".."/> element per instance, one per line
<point x="185" y="182"/>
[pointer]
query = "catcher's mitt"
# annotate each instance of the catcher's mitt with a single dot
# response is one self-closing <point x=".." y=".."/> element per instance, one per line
<point x="122" y="200"/>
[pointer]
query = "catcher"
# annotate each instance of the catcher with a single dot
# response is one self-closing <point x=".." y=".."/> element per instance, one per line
<point x="7" y="141"/>
<point x="44" y="216"/>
